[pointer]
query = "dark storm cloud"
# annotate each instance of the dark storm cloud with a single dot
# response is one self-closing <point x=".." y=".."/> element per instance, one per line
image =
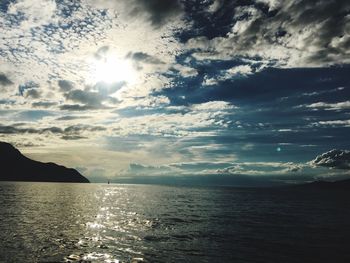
<point x="331" y="38"/>
<point x="160" y="10"/>
<point x="144" y="57"/>
<point x="292" y="33"/>
<point x="92" y="97"/>
<point x="65" y="85"/>
<point x="4" y="80"/>
<point x="85" y="97"/>
<point x="339" y="159"/>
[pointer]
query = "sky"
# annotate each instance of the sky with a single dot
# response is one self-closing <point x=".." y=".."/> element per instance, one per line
<point x="253" y="92"/>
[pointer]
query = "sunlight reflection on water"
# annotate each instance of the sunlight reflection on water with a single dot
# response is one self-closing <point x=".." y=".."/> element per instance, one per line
<point x="110" y="228"/>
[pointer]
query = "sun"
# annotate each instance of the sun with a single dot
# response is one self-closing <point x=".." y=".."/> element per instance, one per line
<point x="112" y="70"/>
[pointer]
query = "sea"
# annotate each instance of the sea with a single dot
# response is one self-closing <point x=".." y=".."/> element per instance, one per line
<point x="62" y="222"/>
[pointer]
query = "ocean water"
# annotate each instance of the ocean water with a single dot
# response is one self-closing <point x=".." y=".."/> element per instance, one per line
<point x="53" y="222"/>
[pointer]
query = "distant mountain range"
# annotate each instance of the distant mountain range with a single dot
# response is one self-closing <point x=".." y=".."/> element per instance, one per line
<point x="14" y="166"/>
<point x="337" y="185"/>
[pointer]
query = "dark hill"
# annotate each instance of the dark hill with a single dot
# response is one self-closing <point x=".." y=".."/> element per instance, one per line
<point x="337" y="185"/>
<point x="16" y="167"/>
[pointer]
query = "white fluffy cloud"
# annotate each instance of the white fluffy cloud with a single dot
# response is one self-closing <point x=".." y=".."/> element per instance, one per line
<point x="338" y="159"/>
<point x="213" y="106"/>
<point x="345" y="105"/>
<point x="239" y="70"/>
<point x="262" y="168"/>
<point x="333" y="123"/>
<point x="36" y="13"/>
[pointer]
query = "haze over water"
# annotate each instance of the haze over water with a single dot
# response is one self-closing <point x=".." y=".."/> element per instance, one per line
<point x="52" y="222"/>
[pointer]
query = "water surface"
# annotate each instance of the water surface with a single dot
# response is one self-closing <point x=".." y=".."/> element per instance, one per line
<point x="53" y="222"/>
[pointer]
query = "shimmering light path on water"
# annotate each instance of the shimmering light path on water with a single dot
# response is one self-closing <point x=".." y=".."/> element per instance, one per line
<point x="50" y="222"/>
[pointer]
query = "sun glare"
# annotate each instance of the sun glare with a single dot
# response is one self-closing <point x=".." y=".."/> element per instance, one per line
<point x="112" y="70"/>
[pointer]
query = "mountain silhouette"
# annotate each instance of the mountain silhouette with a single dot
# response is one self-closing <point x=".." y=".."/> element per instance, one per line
<point x="14" y="166"/>
<point x="336" y="185"/>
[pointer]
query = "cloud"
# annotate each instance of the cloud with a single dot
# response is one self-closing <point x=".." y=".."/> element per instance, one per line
<point x="92" y="97"/>
<point x="345" y="105"/>
<point x="242" y="70"/>
<point x="151" y="102"/>
<point x="295" y="34"/>
<point x="32" y="93"/>
<point x="70" y="117"/>
<point x="144" y="57"/>
<point x="207" y="81"/>
<point x="158" y="12"/>
<point x="4" y="80"/>
<point x="142" y="169"/>
<point x="213" y="106"/>
<point x="261" y="168"/>
<point x="34" y="13"/>
<point x="85" y="97"/>
<point x="72" y="132"/>
<point x="102" y="52"/>
<point x="165" y="117"/>
<point x="185" y="71"/>
<point x="194" y="120"/>
<point x="338" y="159"/>
<point x="28" y="86"/>
<point x="235" y="72"/>
<point x="172" y="169"/>
<point x="72" y="137"/>
<point x="19" y="130"/>
<point x="334" y="123"/>
<point x="77" y="107"/>
<point x="272" y="4"/>
<point x="44" y="104"/>
<point x="65" y="85"/>
<point x="215" y="6"/>
<point x="215" y="168"/>
<point x="161" y="11"/>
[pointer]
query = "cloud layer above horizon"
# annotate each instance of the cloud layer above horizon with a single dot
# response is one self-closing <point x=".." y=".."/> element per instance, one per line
<point x="257" y="88"/>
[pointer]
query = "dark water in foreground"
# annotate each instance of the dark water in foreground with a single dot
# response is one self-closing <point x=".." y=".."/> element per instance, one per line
<point x="49" y="222"/>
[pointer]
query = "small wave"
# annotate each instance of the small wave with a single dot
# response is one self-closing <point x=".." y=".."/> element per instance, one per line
<point x="182" y="237"/>
<point x="156" y="238"/>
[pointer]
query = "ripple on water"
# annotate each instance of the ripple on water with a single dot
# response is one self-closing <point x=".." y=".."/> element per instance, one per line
<point x="91" y="257"/>
<point x="101" y="224"/>
<point x="100" y="257"/>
